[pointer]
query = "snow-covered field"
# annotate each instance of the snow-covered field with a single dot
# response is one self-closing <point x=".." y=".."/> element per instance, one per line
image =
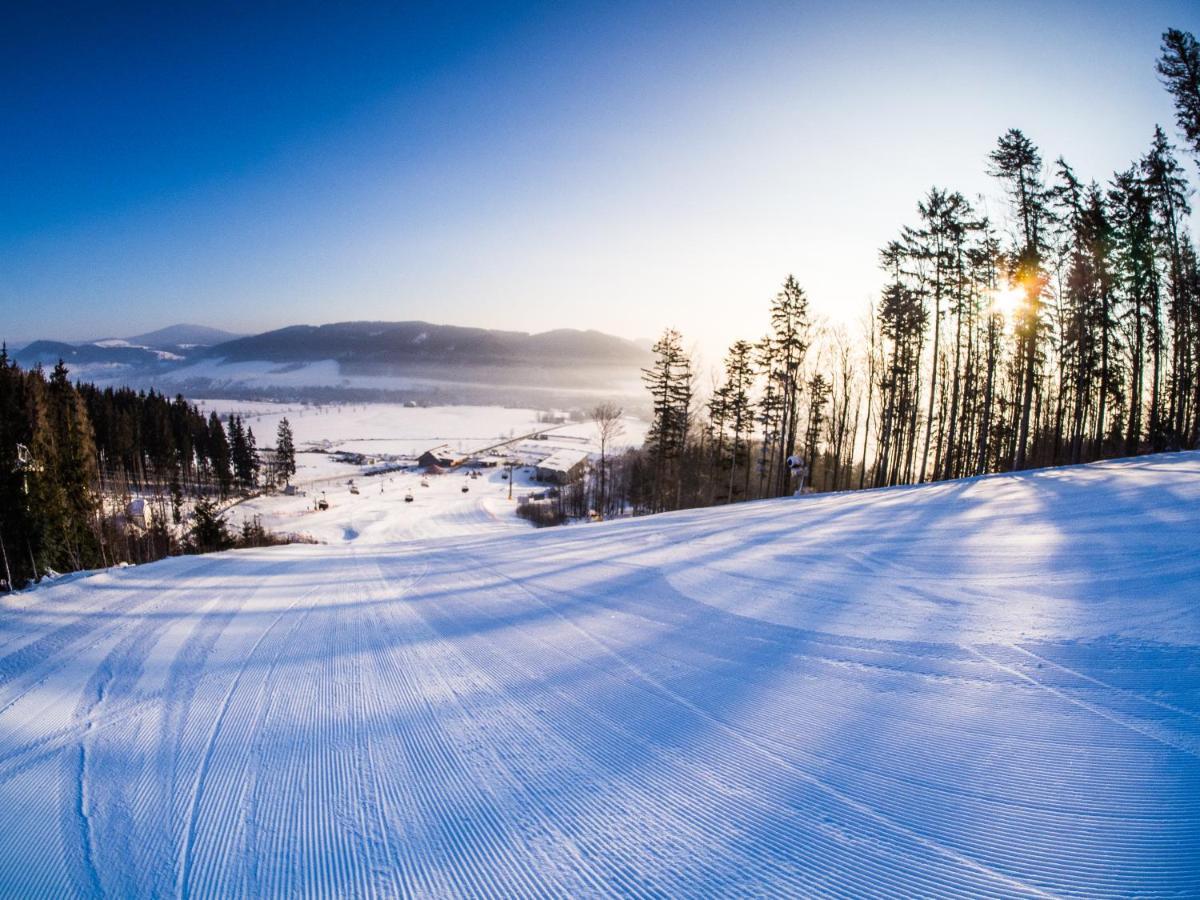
<point x="988" y="687"/>
<point x="379" y="512"/>
<point x="394" y="430"/>
<point x="380" y="427"/>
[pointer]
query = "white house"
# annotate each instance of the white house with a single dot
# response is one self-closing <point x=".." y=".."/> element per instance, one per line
<point x="561" y="467"/>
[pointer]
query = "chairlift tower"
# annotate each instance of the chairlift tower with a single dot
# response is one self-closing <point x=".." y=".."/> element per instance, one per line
<point x="26" y="464"/>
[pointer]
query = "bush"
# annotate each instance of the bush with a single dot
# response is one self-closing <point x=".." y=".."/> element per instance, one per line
<point x="209" y="532"/>
<point x="540" y="513"/>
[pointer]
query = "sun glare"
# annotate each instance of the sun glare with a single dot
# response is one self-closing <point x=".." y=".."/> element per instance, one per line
<point x="1007" y="300"/>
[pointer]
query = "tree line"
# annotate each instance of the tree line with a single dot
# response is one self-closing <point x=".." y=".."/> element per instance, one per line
<point x="1066" y="330"/>
<point x="73" y="457"/>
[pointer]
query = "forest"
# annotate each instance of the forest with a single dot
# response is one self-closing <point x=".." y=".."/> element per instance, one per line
<point x="1067" y="332"/>
<point x="73" y="458"/>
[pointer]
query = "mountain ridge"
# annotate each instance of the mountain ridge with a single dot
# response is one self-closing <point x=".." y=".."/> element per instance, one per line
<point x="361" y="360"/>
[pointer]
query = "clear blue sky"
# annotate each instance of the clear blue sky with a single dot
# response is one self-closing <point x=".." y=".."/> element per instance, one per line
<point x="615" y="166"/>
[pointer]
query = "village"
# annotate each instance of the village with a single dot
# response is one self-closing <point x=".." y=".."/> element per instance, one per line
<point x="356" y="464"/>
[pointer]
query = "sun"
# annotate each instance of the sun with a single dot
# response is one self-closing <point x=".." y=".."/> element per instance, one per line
<point x="1006" y="301"/>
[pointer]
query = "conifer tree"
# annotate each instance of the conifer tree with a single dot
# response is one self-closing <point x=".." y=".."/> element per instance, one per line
<point x="739" y="405"/>
<point x="219" y="454"/>
<point x="1133" y="230"/>
<point x="1179" y="67"/>
<point x="902" y="321"/>
<point x="1017" y="164"/>
<point x="669" y="383"/>
<point x="209" y="531"/>
<point x="784" y="350"/>
<point x="74" y="470"/>
<point x="285" y="450"/>
<point x="1167" y="190"/>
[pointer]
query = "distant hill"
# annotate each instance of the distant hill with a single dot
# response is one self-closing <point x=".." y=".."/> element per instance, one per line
<point x="131" y="357"/>
<point x="183" y="336"/>
<point x="111" y="356"/>
<point x="360" y="361"/>
<point x="392" y="344"/>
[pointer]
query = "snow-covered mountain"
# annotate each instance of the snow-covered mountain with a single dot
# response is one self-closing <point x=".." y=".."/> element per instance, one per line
<point x="404" y="344"/>
<point x="111" y="359"/>
<point x="183" y="337"/>
<point x="131" y="359"/>
<point x="362" y="360"/>
<point x="987" y="687"/>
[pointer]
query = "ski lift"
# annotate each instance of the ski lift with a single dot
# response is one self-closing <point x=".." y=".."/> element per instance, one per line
<point x="322" y="505"/>
<point x="26" y="464"/>
<point x="466" y="488"/>
<point x="424" y="483"/>
<point x="353" y="489"/>
<point x="408" y="498"/>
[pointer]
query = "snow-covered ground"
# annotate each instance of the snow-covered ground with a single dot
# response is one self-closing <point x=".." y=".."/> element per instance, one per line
<point x="387" y="430"/>
<point x="385" y="427"/>
<point x="380" y="512"/>
<point x="987" y="687"/>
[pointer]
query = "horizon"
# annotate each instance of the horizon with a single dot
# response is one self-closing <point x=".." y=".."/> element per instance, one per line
<point x="736" y="450"/>
<point x="420" y="166"/>
<point x="19" y="344"/>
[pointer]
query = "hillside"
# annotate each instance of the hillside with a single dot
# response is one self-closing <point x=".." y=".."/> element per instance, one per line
<point x="400" y="343"/>
<point x="985" y="687"/>
<point x="183" y="336"/>
<point x="362" y="361"/>
<point x="111" y="358"/>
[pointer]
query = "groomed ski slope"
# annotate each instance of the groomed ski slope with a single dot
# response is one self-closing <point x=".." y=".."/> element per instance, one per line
<point x="988" y="687"/>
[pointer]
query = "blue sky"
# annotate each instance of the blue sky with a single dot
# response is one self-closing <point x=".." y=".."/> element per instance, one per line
<point x="614" y="166"/>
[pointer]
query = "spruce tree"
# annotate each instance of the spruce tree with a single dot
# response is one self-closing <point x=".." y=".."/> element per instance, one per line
<point x="209" y="531"/>
<point x="219" y="454"/>
<point x="1133" y="230"/>
<point x="1017" y="163"/>
<point x="285" y="450"/>
<point x="669" y="383"/>
<point x="1179" y="67"/>
<point x="739" y="412"/>
<point x="1167" y="190"/>
<point x="785" y="350"/>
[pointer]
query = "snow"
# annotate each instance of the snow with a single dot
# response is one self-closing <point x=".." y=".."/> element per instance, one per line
<point x="393" y="428"/>
<point x="988" y="687"/>
<point x="380" y="514"/>
<point x="111" y="343"/>
<point x="563" y="460"/>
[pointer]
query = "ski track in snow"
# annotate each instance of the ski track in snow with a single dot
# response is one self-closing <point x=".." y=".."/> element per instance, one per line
<point x="979" y="688"/>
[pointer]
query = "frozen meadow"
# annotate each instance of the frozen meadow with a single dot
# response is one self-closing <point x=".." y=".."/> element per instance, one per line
<point x="987" y="687"/>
